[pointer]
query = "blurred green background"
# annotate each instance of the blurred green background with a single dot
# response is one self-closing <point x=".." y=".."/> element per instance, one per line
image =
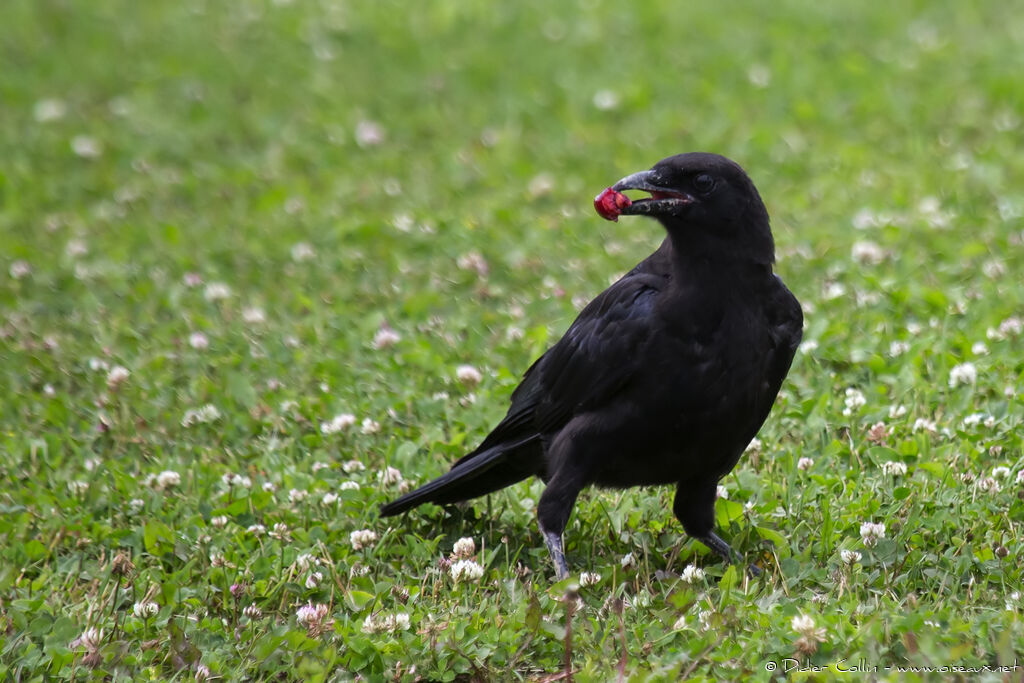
<point x="428" y="168"/>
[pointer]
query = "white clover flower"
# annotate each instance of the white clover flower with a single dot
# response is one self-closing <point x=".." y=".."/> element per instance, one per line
<point x="877" y="433"/>
<point x="135" y="506"/>
<point x="589" y="579"/>
<point x="390" y="475"/>
<point x="1001" y="472"/>
<point x="385" y="338"/>
<point x="338" y="423"/>
<point x="804" y="464"/>
<point x="49" y="109"/>
<point x="466" y="570"/>
<point x="76" y="247"/>
<point x="832" y="290"/>
<point x="759" y="75"/>
<point x="386" y="623"/>
<point x="1011" y="327"/>
<point x="894" y="468"/>
<point x="468" y="375"/>
<point x="474" y="260"/>
<point x="117" y="376"/>
<point x="306" y="560"/>
<point x="964" y="373"/>
<point x="202" y="415"/>
<point x="803" y="624"/>
<point x="78" y="488"/>
<point x="898" y="348"/>
<point x="216" y="291"/>
<point x="854" y="401"/>
<point x="350" y="466"/>
<point x="989" y="485"/>
<point x="897" y="411"/>
<point x="979" y="348"/>
<point x="192" y="279"/>
<point x="1020" y="477"/>
<point x="464" y="548"/>
<point x="692" y="574"/>
<point x="370" y="426"/>
<point x="302" y="251"/>
<point x="925" y="424"/>
<point x="753" y="447"/>
<point x="403" y="222"/>
<point x="240" y="481"/>
<point x="348" y="486"/>
<point x="864" y="219"/>
<point x="252" y="612"/>
<point x="86" y="146"/>
<point x="268" y="486"/>
<point x="704" y="618"/>
<point x="372" y="624"/>
<point x="256" y="529"/>
<point x="974" y="419"/>
<point x="254" y="315"/>
<point x="297" y="495"/>
<point x="362" y="538"/>
<point x="849" y="556"/>
<point x="870" y="532"/>
<point x="220" y="521"/>
<point x="329" y="499"/>
<point x="90" y="639"/>
<point x="722" y="492"/>
<point x="808" y="346"/>
<point x="314" y="579"/>
<point x="311" y="615"/>
<point x="145" y="610"/>
<point x="168" y="479"/>
<point x="198" y="340"/>
<point x="867" y="253"/>
<point x="606" y="100"/>
<point x="369" y="133"/>
<point x="627" y="561"/>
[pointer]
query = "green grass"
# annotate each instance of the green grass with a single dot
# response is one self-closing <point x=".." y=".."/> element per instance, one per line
<point x="141" y="142"/>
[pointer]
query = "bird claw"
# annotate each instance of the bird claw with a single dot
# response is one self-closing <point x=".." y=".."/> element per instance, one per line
<point x="722" y="549"/>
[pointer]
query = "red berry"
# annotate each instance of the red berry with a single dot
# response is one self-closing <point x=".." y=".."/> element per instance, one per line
<point x="609" y="204"/>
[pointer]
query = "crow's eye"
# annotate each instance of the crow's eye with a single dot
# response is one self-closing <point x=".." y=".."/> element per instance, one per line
<point x="704" y="183"/>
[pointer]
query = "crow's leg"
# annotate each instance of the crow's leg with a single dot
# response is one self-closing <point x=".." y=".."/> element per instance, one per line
<point x="695" y="508"/>
<point x="553" y="512"/>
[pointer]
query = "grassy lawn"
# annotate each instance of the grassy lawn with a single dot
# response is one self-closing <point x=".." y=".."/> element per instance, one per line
<point x="245" y="248"/>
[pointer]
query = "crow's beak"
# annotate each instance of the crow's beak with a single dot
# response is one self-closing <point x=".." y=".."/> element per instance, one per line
<point x="664" y="201"/>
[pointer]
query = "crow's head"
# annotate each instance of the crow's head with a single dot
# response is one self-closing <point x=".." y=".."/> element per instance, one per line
<point x="707" y="203"/>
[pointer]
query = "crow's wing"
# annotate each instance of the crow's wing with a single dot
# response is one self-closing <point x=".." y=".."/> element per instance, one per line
<point x="591" y="362"/>
<point x="594" y="359"/>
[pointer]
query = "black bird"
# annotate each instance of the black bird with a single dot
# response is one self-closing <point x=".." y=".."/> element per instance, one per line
<point x="665" y="377"/>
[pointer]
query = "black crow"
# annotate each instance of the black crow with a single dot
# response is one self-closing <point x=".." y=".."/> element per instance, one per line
<point x="665" y="377"/>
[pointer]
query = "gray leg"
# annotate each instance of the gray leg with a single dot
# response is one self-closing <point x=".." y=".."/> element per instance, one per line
<point x="553" y="512"/>
<point x="554" y="543"/>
